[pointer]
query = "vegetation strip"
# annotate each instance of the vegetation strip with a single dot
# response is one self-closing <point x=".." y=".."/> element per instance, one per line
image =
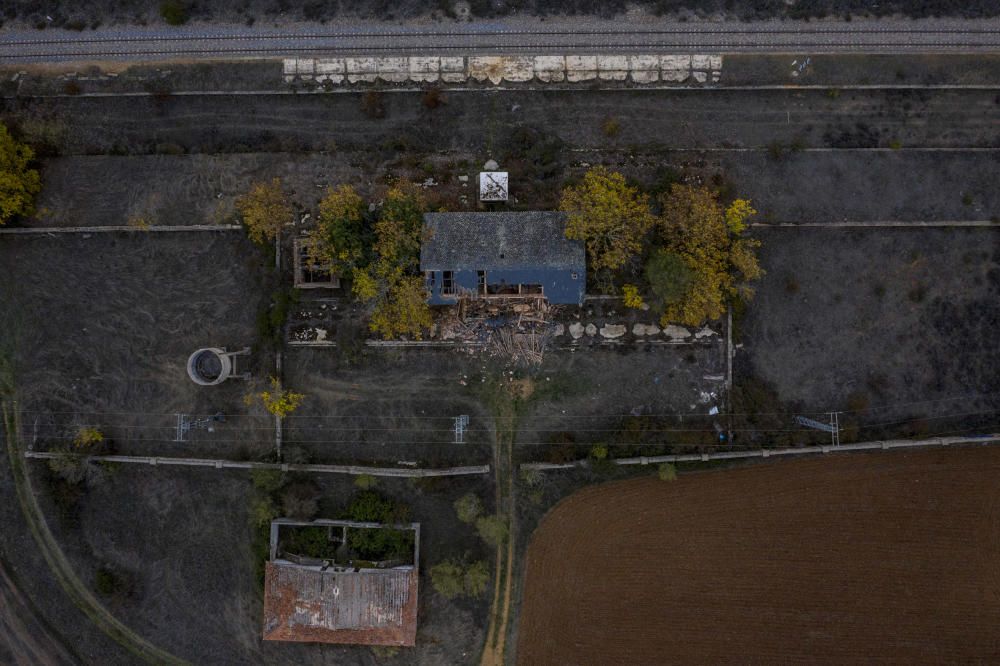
<point x="883" y="445"/>
<point x="61" y="567"/>
<point x="283" y="467"/>
<point x="109" y="229"/>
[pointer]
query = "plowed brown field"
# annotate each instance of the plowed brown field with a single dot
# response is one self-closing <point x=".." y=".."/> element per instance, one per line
<point x="862" y="558"/>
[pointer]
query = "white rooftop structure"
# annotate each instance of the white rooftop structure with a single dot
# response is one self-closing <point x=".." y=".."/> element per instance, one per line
<point x="493" y="186"/>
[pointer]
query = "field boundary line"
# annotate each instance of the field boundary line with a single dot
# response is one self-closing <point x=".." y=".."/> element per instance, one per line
<point x="876" y="445"/>
<point x="156" y="461"/>
<point x="29" y="231"/>
<point x="60" y="566"/>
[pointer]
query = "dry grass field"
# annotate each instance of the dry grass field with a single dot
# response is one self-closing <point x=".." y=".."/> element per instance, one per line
<point x="864" y="558"/>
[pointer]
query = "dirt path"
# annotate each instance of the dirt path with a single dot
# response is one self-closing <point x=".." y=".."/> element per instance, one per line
<point x="888" y="557"/>
<point x="60" y="565"/>
<point x="24" y="638"/>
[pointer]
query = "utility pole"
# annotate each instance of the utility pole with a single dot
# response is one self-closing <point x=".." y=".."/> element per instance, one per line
<point x="461" y="422"/>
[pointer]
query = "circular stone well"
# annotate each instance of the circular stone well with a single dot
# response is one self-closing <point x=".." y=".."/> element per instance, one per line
<point x="209" y="366"/>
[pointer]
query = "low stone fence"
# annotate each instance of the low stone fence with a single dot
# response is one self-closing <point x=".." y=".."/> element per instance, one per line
<point x="883" y="445"/>
<point x="284" y="467"/>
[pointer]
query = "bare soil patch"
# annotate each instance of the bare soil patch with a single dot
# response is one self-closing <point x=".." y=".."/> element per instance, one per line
<point x="884" y="558"/>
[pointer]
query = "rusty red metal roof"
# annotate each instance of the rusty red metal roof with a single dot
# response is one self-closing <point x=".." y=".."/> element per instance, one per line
<point x="369" y="607"/>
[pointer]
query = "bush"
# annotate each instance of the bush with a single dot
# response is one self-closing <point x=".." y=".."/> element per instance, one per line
<point x="468" y="508"/>
<point x="263" y="510"/>
<point x="365" y="481"/>
<point x="110" y="583"/>
<point x="477" y="578"/>
<point x="267" y="480"/>
<point x="174" y="12"/>
<point x="667" y="472"/>
<point x="448" y="579"/>
<point x="433" y="98"/>
<point x="453" y="579"/>
<point x="631" y="297"/>
<point x="87" y="436"/>
<point x="492" y="529"/>
<point x="300" y="501"/>
<point x="611" y="127"/>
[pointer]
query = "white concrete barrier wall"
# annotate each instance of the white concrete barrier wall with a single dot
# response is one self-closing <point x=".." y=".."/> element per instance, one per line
<point x="640" y="69"/>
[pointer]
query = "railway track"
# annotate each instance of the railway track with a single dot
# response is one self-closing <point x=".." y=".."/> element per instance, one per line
<point x="200" y="42"/>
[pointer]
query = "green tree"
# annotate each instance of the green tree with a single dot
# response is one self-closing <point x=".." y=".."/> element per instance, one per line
<point x="453" y="579"/>
<point x="610" y="216"/>
<point x="399" y="227"/>
<point x="477" y="578"/>
<point x="492" y="529"/>
<point x="18" y="182"/>
<point x="265" y="209"/>
<point x="468" y="507"/>
<point x="339" y="237"/>
<point x="720" y="261"/>
<point x="668" y="275"/>
<point x="448" y="578"/>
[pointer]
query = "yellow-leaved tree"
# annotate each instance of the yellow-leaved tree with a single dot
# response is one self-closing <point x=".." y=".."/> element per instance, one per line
<point x="18" y="182"/>
<point x="608" y="215"/>
<point x="705" y="261"/>
<point x="391" y="281"/>
<point x="404" y="310"/>
<point x="265" y="210"/>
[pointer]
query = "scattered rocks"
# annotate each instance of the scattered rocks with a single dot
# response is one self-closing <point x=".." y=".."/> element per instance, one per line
<point x="321" y="334"/>
<point x="491" y="165"/>
<point x="576" y="330"/>
<point x="559" y="330"/>
<point x="639" y="329"/>
<point x="612" y="331"/>
<point x="591" y="330"/>
<point x="704" y="333"/>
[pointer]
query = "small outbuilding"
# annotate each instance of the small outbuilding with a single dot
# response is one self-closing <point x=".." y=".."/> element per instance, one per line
<point x="483" y="255"/>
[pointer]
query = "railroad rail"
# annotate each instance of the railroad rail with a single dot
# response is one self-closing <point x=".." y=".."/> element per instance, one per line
<point x="499" y="38"/>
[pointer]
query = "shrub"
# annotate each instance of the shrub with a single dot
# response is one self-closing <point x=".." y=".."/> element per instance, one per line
<point x="611" y="127"/>
<point x="365" y="481"/>
<point x="453" y="579"/>
<point x="87" y="436"/>
<point x="667" y="472"/>
<point x="599" y="452"/>
<point x="468" y="508"/>
<point x="477" y="578"/>
<point x="174" y="12"/>
<point x="110" y="583"/>
<point x="267" y="480"/>
<point x="433" y="98"/>
<point x="448" y="579"/>
<point x="492" y="529"/>
<point x="278" y="401"/>
<point x="263" y="510"/>
<point x="69" y="466"/>
<point x="300" y="501"/>
<point x="631" y="297"/>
